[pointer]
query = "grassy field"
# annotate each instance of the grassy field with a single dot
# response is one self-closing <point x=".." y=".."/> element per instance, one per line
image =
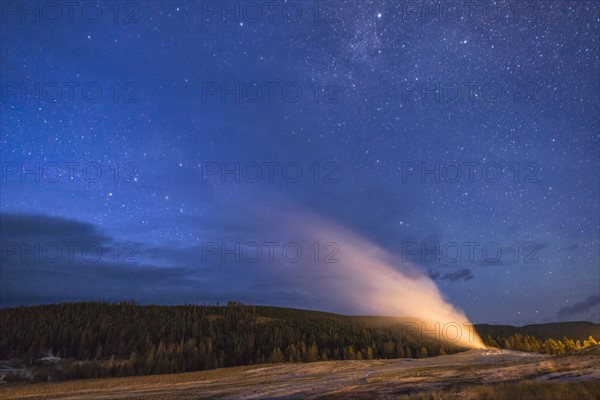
<point x="521" y="390"/>
<point x="89" y="388"/>
<point x="476" y="374"/>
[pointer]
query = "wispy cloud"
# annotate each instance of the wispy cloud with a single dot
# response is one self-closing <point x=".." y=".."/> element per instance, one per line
<point x="581" y="307"/>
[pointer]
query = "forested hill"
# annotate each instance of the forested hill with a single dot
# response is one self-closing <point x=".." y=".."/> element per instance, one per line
<point x="222" y="335"/>
<point x="126" y="338"/>
<point x="578" y="330"/>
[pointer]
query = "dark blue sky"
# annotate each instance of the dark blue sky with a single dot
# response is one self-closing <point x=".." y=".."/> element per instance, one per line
<point x="361" y="98"/>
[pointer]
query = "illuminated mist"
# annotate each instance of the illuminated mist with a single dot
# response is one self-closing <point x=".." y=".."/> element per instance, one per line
<point x="370" y="280"/>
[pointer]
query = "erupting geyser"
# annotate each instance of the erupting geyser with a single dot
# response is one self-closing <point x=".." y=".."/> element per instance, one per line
<point x="370" y="280"/>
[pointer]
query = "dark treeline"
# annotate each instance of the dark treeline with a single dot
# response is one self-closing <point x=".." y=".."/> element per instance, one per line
<point x="102" y="339"/>
<point x="532" y="344"/>
<point x="580" y="330"/>
<point x="553" y="338"/>
<point x="128" y="339"/>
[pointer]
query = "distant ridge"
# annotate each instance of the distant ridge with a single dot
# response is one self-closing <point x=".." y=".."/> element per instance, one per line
<point x="93" y="340"/>
<point x="576" y="330"/>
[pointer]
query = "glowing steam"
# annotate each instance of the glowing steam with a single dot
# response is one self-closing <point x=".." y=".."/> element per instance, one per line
<point x="369" y="279"/>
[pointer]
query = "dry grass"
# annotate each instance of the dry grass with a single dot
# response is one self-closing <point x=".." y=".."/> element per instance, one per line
<point x="91" y="386"/>
<point x="472" y="375"/>
<point x="523" y="390"/>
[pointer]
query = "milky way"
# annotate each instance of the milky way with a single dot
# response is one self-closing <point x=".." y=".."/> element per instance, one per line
<point x="459" y="137"/>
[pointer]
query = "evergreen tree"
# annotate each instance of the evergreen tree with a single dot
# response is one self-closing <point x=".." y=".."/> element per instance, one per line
<point x="350" y="355"/>
<point x="313" y="353"/>
<point x="276" y="356"/>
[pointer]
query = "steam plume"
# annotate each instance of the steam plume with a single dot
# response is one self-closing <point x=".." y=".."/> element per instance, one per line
<point x="370" y="280"/>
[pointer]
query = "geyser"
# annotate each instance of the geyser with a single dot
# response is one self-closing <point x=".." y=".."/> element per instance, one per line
<point x="370" y="280"/>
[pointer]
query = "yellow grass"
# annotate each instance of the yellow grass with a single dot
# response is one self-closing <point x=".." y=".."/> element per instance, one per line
<point x="90" y="386"/>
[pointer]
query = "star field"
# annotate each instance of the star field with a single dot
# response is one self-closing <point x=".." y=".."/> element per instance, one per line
<point x="411" y="126"/>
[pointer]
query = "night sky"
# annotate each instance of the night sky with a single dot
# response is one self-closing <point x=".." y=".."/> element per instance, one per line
<point x="174" y="137"/>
